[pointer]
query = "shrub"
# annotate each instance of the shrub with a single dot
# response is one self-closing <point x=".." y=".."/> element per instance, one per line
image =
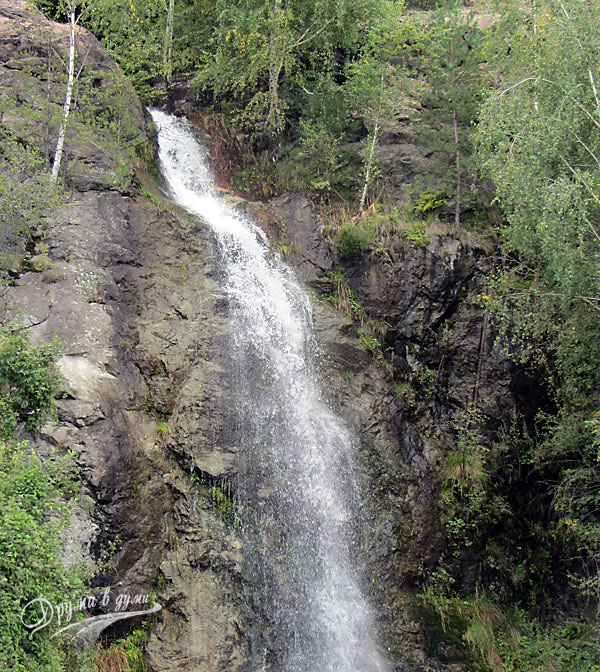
<point x="28" y="381"/>
<point x="415" y="234"/>
<point x="508" y="640"/>
<point x="430" y="201"/>
<point x="26" y="194"/>
<point x="125" y="655"/>
<point x="353" y="239"/>
<point x="162" y="430"/>
<point x="35" y="510"/>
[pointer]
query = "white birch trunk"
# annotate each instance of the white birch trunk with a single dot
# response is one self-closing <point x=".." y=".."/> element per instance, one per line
<point x="363" y="196"/>
<point x="67" y="106"/>
<point x="371" y="157"/>
<point x="168" y="48"/>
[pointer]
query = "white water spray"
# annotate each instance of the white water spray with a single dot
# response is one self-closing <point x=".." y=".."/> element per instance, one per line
<point x="297" y="472"/>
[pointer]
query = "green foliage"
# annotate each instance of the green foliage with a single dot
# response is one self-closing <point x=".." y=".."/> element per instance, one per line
<point x="369" y="338"/>
<point x="267" y="59"/>
<point x="352" y="239"/>
<point x="225" y="507"/>
<point x="523" y="508"/>
<point x="28" y="381"/>
<point x="51" y="8"/>
<point x="282" y="246"/>
<point x="507" y="640"/>
<point x="124" y="655"/>
<point x="344" y="297"/>
<point x="472" y="506"/>
<point x="148" y="406"/>
<point x="445" y="74"/>
<point x="26" y="194"/>
<point x="538" y="141"/>
<point x="404" y="390"/>
<point x="162" y="430"/>
<point x="40" y="263"/>
<point x="430" y="201"/>
<point x="373" y="90"/>
<point x="35" y="500"/>
<point x="576" y="500"/>
<point x="102" y="113"/>
<point x="415" y="233"/>
<point x="132" y="32"/>
<point x="379" y="229"/>
<point x="33" y="492"/>
<point x="370" y="342"/>
<point x="133" y="646"/>
<point x="323" y="161"/>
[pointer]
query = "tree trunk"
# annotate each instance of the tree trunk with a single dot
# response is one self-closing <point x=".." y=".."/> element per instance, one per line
<point x="275" y="65"/>
<point x="168" y="45"/>
<point x="274" y="116"/>
<point x="67" y="106"/>
<point x="371" y="157"/>
<point x="457" y="161"/>
<point x="370" y="160"/>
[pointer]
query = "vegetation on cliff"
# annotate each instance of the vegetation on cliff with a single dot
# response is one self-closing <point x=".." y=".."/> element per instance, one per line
<point x="36" y="499"/>
<point x="509" y="114"/>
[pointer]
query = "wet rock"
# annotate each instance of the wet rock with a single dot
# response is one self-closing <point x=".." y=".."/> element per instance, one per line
<point x="132" y="299"/>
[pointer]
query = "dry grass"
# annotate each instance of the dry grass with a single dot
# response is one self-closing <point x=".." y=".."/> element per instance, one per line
<point x="113" y="660"/>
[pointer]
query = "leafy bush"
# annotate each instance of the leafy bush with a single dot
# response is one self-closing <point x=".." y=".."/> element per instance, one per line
<point x="327" y="168"/>
<point x="430" y="201"/>
<point x="26" y="193"/>
<point x="534" y="141"/>
<point x="162" y="430"/>
<point x="125" y="655"/>
<point x="506" y="640"/>
<point x="35" y="510"/>
<point x="415" y="234"/>
<point x="352" y="239"/>
<point x="28" y="381"/>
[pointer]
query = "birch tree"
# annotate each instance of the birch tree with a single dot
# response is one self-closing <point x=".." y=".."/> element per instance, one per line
<point x="374" y="90"/>
<point x="74" y="10"/>
<point x="168" y="44"/>
<point x="265" y="52"/>
<point x="539" y="142"/>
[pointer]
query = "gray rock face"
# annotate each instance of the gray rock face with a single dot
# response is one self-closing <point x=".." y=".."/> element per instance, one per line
<point x="33" y="51"/>
<point x="134" y="298"/>
<point x="309" y="252"/>
<point x="139" y="323"/>
<point x="443" y="360"/>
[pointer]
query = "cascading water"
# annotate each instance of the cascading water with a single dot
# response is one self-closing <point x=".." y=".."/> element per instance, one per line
<point x="297" y="479"/>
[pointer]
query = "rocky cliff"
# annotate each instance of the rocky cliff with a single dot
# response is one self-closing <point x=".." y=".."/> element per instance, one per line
<point x="132" y="292"/>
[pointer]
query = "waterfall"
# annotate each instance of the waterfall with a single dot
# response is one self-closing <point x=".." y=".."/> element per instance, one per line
<point x="297" y="477"/>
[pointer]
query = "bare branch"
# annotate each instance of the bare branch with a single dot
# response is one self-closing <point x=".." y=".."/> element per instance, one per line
<point x="304" y="38"/>
<point x="549" y="81"/>
<point x="580" y="43"/>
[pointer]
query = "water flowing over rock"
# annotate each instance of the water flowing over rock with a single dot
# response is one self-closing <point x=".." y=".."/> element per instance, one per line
<point x="163" y="320"/>
<point x="297" y="484"/>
